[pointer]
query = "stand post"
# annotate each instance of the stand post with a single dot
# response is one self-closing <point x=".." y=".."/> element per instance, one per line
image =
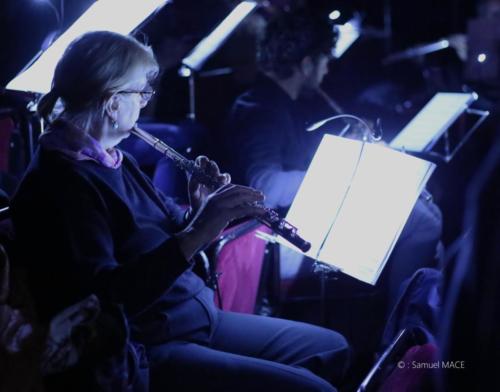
<point x="192" y="97"/>
<point x="324" y="270"/>
<point x="482" y="114"/>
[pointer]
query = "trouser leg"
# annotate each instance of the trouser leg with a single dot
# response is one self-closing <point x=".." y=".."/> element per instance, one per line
<point x="184" y="366"/>
<point x="322" y="351"/>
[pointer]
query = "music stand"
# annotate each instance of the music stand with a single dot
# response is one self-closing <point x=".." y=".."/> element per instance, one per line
<point x="353" y="204"/>
<point x="37" y="75"/>
<point x="432" y="125"/>
<point x="193" y="62"/>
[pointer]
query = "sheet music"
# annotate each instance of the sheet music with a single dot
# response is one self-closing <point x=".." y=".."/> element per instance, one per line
<point x="358" y="196"/>
<point x="422" y="132"/>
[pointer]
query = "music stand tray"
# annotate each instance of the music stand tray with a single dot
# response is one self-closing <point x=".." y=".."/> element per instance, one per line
<point x="430" y="128"/>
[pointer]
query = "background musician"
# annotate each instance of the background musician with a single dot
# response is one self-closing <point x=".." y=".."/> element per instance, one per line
<point x="293" y="57"/>
<point x="275" y="150"/>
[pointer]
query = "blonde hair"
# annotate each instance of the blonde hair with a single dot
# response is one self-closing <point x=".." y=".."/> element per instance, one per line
<point x="93" y="67"/>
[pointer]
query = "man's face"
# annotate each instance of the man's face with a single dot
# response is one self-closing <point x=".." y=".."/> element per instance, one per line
<point x="321" y="68"/>
<point x="315" y="71"/>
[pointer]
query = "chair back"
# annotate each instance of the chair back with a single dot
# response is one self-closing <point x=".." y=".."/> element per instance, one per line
<point x="238" y="260"/>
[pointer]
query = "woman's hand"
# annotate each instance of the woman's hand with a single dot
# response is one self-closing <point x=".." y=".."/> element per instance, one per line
<point x="198" y="193"/>
<point x="15" y="330"/>
<point x="61" y="349"/>
<point x="221" y="207"/>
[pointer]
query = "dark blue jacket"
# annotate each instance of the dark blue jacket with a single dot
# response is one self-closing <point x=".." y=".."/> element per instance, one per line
<point x="84" y="228"/>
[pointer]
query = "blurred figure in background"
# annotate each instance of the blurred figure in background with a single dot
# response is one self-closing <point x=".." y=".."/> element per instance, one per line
<point x="293" y="57"/>
<point x="271" y="150"/>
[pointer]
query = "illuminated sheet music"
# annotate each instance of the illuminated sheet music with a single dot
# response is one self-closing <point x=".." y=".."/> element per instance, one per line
<point x="353" y="203"/>
<point x="422" y="132"/>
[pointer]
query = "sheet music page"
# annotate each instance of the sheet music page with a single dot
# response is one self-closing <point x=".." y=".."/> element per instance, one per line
<point x="379" y="202"/>
<point x="358" y="196"/>
<point x="422" y="132"/>
<point x="321" y="193"/>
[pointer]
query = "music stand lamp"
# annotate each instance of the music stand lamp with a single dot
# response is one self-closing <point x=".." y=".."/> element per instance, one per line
<point x="194" y="61"/>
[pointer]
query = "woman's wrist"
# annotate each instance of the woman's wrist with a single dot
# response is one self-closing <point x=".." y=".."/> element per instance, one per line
<point x="188" y="242"/>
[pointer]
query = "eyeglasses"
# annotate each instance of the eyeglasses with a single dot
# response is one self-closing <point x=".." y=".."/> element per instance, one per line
<point x="145" y="95"/>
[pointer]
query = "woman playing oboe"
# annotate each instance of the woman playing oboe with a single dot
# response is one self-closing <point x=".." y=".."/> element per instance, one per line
<point x="89" y="221"/>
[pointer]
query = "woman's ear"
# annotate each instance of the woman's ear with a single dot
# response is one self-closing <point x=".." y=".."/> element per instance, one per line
<point x="111" y="106"/>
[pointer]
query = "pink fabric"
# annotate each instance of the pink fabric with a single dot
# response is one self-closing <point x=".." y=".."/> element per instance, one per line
<point x="413" y="371"/>
<point x="240" y="263"/>
<point x="79" y="145"/>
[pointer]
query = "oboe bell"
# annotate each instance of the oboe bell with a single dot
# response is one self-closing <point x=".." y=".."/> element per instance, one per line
<point x="271" y="218"/>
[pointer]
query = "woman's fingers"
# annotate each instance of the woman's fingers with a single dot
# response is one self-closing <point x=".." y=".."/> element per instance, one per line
<point x="16" y="332"/>
<point x="58" y="357"/>
<point x="208" y="166"/>
<point x="246" y="210"/>
<point x="81" y="312"/>
<point x="226" y="204"/>
<point x="225" y="178"/>
<point x="211" y="168"/>
<point x="201" y="161"/>
<point x="20" y="334"/>
<point x="233" y="195"/>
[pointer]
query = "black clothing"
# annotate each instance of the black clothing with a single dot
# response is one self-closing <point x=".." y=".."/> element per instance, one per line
<point x="268" y="143"/>
<point x="93" y="229"/>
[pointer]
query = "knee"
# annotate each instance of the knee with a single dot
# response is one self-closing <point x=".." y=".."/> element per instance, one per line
<point x="342" y="352"/>
<point x="333" y="342"/>
<point x="335" y="356"/>
<point x="338" y="342"/>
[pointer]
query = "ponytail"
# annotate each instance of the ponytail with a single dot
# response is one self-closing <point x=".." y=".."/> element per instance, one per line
<point x="46" y="105"/>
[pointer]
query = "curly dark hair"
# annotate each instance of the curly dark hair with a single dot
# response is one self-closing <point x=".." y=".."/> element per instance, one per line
<point x="292" y="36"/>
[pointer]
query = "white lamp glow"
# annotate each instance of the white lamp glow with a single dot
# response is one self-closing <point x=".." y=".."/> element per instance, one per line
<point x="120" y="16"/>
<point x="216" y="38"/>
<point x="334" y="15"/>
<point x="348" y="33"/>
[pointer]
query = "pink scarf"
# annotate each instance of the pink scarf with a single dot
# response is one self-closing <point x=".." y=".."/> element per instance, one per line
<point x="79" y="145"/>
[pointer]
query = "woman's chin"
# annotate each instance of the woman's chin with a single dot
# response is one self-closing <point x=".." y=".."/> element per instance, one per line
<point x="125" y="134"/>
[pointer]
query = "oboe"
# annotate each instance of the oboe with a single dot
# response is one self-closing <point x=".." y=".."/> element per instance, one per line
<point x="271" y="218"/>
